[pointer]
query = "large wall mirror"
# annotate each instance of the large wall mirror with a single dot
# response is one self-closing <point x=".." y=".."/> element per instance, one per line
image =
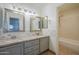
<point x="14" y="21"/>
<point x="45" y="22"/>
<point x="38" y="23"/>
<point x="35" y="23"/>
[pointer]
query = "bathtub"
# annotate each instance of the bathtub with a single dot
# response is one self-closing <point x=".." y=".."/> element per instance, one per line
<point x="70" y="43"/>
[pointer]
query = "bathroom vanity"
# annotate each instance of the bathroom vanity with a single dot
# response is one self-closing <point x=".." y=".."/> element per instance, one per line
<point x="14" y="21"/>
<point x="27" y="46"/>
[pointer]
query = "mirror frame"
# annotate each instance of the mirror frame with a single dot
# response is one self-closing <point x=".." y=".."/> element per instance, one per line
<point x="14" y="12"/>
<point x="31" y="20"/>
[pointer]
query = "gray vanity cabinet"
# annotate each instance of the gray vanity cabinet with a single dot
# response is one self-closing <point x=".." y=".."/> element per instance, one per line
<point x="44" y="44"/>
<point x="31" y="47"/>
<point x="16" y="49"/>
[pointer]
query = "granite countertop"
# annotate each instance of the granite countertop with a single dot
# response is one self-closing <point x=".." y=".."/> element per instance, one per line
<point x="70" y="43"/>
<point x="4" y="42"/>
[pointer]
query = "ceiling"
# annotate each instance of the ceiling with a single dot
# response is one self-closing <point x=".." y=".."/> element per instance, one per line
<point x="34" y="5"/>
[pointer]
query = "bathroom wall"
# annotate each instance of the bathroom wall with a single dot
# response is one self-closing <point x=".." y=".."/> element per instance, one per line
<point x="50" y="10"/>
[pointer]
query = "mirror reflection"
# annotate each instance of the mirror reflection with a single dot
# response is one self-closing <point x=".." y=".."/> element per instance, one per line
<point x="14" y="24"/>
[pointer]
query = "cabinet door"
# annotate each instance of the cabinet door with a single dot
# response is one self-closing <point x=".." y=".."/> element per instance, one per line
<point x="12" y="50"/>
<point x="44" y="44"/>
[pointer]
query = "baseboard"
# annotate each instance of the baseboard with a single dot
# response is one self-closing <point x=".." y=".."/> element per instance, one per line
<point x="52" y="51"/>
<point x="48" y="50"/>
<point x="43" y="51"/>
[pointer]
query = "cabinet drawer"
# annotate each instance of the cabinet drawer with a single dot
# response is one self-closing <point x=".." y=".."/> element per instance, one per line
<point x="31" y="48"/>
<point x="36" y="47"/>
<point x="31" y="43"/>
<point x="36" y="42"/>
<point x="27" y="44"/>
<point x="28" y="49"/>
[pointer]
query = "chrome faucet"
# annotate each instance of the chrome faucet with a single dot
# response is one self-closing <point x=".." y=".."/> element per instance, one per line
<point x="13" y="37"/>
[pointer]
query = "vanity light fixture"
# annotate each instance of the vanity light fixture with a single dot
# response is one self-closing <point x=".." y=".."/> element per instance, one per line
<point x="19" y="9"/>
<point x="25" y="10"/>
<point x="34" y="12"/>
<point x="14" y="7"/>
<point x="45" y="17"/>
<point x="30" y="11"/>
